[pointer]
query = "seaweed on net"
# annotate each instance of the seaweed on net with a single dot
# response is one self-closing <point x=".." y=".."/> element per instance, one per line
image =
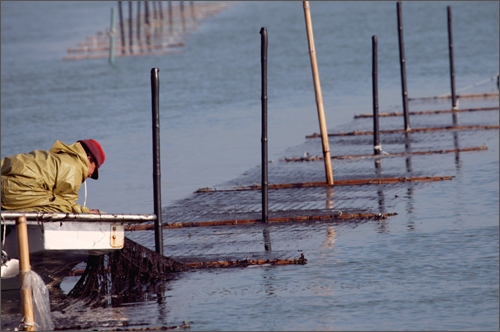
<point x="122" y="270"/>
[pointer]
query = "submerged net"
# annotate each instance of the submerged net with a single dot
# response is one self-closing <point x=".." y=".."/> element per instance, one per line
<point x="123" y="270"/>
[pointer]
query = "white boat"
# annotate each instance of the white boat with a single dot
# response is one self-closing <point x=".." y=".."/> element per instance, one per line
<point x="59" y="241"/>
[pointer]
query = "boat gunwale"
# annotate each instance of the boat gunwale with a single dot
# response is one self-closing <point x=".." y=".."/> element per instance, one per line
<point x="34" y="217"/>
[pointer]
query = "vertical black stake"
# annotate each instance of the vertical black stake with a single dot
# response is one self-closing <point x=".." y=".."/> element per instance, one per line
<point x="182" y="17"/>
<point x="376" y="140"/>
<point x="155" y="12"/>
<point x="452" y="69"/>
<point x="130" y="32"/>
<point x="170" y="18"/>
<point x="155" y="107"/>
<point x="147" y="24"/>
<point x="121" y="26"/>
<point x="138" y="32"/>
<point x="403" y="67"/>
<point x="263" y="58"/>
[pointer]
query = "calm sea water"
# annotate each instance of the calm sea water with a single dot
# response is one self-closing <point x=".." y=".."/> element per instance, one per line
<point x="434" y="266"/>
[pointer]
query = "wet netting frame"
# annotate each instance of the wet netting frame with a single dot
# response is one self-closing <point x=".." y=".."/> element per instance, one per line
<point x="122" y="271"/>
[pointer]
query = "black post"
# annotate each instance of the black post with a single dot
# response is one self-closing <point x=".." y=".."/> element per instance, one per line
<point x="403" y="68"/>
<point x="376" y="140"/>
<point x="147" y="23"/>
<point x="155" y="103"/>
<point x="170" y="19"/>
<point x="130" y="33"/>
<point x="263" y="58"/>
<point x="452" y="69"/>
<point x="121" y="26"/>
<point x="138" y="32"/>
<point x="161" y="11"/>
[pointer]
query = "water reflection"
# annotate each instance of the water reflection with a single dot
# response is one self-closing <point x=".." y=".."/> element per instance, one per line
<point x="268" y="281"/>
<point x="267" y="240"/>
<point x="378" y="166"/>
<point x="329" y="198"/>
<point x="331" y="237"/>
<point x="456" y="143"/>
<point x="381" y="197"/>
<point x="408" y="149"/>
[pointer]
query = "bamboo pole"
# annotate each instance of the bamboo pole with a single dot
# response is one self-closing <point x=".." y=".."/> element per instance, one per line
<point x="414" y="130"/>
<point x="119" y="48"/>
<point x="479" y="148"/>
<point x="429" y="112"/>
<point x="336" y="183"/>
<point x="319" y="97"/>
<point x="119" y="55"/>
<point x="473" y="95"/>
<point x="336" y="217"/>
<point x="24" y="267"/>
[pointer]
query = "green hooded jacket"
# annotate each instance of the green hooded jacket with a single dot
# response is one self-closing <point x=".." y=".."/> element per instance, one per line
<point x="46" y="181"/>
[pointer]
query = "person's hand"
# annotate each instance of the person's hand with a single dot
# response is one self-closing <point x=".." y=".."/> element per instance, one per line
<point x="94" y="211"/>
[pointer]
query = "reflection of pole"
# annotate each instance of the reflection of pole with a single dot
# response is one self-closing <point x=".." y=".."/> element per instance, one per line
<point x="263" y="59"/>
<point x="267" y="240"/>
<point x="319" y="97"/>
<point x="112" y="38"/>
<point x="452" y="69"/>
<point x="408" y="149"/>
<point x="329" y="198"/>
<point x="403" y="67"/>
<point x="155" y="101"/>
<point x="24" y="267"/>
<point x="381" y="201"/>
<point x="376" y="140"/>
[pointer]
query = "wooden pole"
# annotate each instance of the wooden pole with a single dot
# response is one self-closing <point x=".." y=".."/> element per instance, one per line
<point x="452" y="69"/>
<point x="402" y="62"/>
<point x="319" y="97"/>
<point x="24" y="267"/>
<point x="112" y="39"/>
<point x="263" y="59"/>
<point x="376" y="140"/>
<point x="155" y="101"/>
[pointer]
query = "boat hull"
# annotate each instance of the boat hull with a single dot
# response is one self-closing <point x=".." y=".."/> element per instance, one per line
<point x="56" y="247"/>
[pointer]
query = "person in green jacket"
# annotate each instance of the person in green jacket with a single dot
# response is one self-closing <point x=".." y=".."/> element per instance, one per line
<point x="49" y="181"/>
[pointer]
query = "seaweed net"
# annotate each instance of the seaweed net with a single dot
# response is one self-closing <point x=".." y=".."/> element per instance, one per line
<point x="123" y="270"/>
